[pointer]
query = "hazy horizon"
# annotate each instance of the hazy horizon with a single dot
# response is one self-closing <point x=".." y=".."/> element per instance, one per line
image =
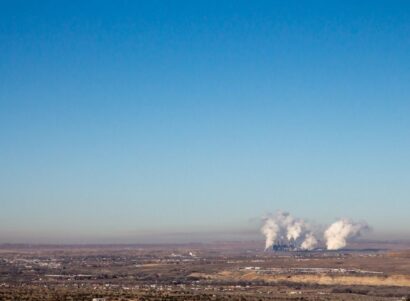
<point x="163" y="237"/>
<point x="124" y="121"/>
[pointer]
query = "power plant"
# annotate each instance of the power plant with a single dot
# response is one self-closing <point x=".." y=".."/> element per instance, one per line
<point x="286" y="233"/>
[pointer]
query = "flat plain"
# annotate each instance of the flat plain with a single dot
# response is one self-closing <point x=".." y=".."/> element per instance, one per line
<point x="217" y="271"/>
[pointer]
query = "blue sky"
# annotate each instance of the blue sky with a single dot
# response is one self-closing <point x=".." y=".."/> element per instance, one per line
<point x="127" y="118"/>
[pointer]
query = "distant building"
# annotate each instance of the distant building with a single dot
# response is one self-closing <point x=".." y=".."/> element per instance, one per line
<point x="283" y="248"/>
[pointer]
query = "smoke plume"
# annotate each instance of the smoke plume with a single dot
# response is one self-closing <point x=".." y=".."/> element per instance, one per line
<point x="281" y="228"/>
<point x="270" y="230"/>
<point x="337" y="233"/>
<point x="310" y="242"/>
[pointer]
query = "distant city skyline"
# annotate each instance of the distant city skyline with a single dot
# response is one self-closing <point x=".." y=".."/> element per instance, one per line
<point x="150" y="121"/>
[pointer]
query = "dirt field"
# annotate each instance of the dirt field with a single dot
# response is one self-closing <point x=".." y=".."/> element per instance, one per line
<point x="221" y="271"/>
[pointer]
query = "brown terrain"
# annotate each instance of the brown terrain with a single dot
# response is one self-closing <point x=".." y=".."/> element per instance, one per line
<point x="218" y="271"/>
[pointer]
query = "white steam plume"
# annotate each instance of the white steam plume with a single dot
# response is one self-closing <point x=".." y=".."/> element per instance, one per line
<point x="294" y="230"/>
<point x="282" y="228"/>
<point x="340" y="231"/>
<point x="270" y="230"/>
<point x="310" y="242"/>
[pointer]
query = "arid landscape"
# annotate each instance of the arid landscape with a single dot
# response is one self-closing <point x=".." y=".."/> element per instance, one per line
<point x="182" y="150"/>
<point x="218" y="271"/>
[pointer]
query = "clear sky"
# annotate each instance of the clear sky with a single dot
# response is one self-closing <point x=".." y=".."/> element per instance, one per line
<point x="127" y="118"/>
